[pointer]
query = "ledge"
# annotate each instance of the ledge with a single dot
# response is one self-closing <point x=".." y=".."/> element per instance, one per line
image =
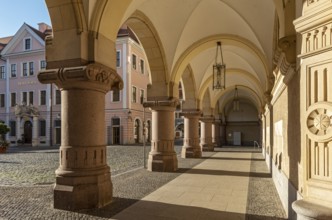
<point x="309" y="210"/>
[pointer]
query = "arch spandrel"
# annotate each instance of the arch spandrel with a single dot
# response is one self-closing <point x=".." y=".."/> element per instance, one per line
<point x="189" y="89"/>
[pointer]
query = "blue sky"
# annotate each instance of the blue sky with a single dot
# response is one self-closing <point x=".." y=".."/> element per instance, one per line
<point x="15" y="12"/>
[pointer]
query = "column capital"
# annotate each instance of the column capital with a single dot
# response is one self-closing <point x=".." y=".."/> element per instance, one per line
<point x="94" y="76"/>
<point x="191" y="113"/>
<point x="161" y="104"/>
<point x="207" y="119"/>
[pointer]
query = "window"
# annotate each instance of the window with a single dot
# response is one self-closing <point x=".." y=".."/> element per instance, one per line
<point x="24" y="97"/>
<point x="42" y="96"/>
<point x="13" y="70"/>
<point x="142" y="66"/>
<point x="142" y="96"/>
<point x="43" y="64"/>
<point x="134" y="94"/>
<point x="57" y="123"/>
<point x="2" y="100"/>
<point x="116" y="95"/>
<point x="31" y="98"/>
<point x="42" y="128"/>
<point x="57" y="97"/>
<point x="12" y="126"/>
<point x="134" y="61"/>
<point x="12" y="99"/>
<point x="27" y="44"/>
<point x="30" y="68"/>
<point x="2" y="72"/>
<point x="118" y="59"/>
<point x="25" y="69"/>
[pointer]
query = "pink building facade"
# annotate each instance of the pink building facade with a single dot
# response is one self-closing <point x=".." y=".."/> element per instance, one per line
<point x="33" y="110"/>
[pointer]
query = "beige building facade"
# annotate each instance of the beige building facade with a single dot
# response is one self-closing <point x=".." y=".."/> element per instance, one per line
<point x="277" y="54"/>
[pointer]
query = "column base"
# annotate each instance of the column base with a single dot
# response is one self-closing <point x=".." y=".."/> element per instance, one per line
<point x="207" y="147"/>
<point x="35" y="142"/>
<point x="307" y="210"/>
<point x="77" y="192"/>
<point x="191" y="152"/>
<point x="162" y="163"/>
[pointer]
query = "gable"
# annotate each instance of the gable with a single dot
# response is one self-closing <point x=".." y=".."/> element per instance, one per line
<point x="17" y="43"/>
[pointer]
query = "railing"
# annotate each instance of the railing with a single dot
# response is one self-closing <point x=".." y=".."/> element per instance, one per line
<point x="256" y="144"/>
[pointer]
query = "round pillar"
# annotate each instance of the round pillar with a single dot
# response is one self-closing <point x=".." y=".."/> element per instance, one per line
<point x="83" y="179"/>
<point x="18" y="128"/>
<point x="206" y="134"/>
<point x="191" y="147"/>
<point x="35" y="140"/>
<point x="162" y="156"/>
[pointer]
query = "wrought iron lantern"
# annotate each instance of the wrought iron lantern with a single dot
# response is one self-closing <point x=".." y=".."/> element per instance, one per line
<point x="236" y="101"/>
<point x="219" y="69"/>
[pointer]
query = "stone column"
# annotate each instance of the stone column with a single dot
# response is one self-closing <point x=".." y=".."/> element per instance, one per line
<point x="83" y="179"/>
<point x="206" y="134"/>
<point x="35" y="139"/>
<point x="216" y="133"/>
<point x="191" y="147"/>
<point x="18" y="128"/>
<point x="162" y="156"/>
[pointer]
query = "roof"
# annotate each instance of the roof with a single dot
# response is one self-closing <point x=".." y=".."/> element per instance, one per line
<point x="125" y="31"/>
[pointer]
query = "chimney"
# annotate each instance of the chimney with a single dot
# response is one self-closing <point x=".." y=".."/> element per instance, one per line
<point x="44" y="27"/>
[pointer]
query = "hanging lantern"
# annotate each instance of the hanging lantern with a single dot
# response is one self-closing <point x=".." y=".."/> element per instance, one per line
<point x="219" y="69"/>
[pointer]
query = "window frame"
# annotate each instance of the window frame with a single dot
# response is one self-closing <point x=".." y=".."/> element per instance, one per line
<point x="12" y="126"/>
<point x="134" y="61"/>
<point x="31" y="68"/>
<point x="57" y="100"/>
<point x="142" y="67"/>
<point x="25" y="43"/>
<point x="42" y="100"/>
<point x="42" y="130"/>
<point x="2" y="100"/>
<point x="134" y="97"/>
<point x="11" y="99"/>
<point x="2" y="72"/>
<point x="118" y="59"/>
<point x="13" y="70"/>
<point x="119" y="92"/>
<point x="25" y="67"/>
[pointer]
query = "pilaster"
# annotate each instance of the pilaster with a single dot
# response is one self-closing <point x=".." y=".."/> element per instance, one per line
<point x="162" y="156"/>
<point x="191" y="147"/>
<point x="83" y="178"/>
<point x="315" y="29"/>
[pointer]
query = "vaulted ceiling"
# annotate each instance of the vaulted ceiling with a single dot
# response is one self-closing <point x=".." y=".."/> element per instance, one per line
<point x="182" y="34"/>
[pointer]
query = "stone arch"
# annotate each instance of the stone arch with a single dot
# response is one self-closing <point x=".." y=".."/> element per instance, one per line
<point x="205" y="103"/>
<point x="227" y="94"/>
<point x="148" y="37"/>
<point x="189" y="88"/>
<point x="209" y="42"/>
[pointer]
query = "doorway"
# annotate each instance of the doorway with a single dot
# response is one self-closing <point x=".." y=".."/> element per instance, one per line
<point x="137" y="133"/>
<point x="116" y="130"/>
<point x="27" y="132"/>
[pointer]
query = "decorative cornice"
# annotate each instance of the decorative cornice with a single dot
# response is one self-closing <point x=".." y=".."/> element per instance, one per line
<point x="173" y="102"/>
<point x="93" y="76"/>
<point x="191" y="113"/>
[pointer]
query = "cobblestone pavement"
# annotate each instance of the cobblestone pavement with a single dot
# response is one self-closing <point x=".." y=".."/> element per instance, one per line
<point x="28" y="166"/>
<point x="23" y="196"/>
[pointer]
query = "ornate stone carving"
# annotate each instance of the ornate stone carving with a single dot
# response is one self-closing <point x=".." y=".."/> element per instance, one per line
<point x="319" y="121"/>
<point x="94" y="76"/>
<point x="26" y="110"/>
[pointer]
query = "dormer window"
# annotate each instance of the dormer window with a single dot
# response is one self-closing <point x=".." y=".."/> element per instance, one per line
<point x="27" y="43"/>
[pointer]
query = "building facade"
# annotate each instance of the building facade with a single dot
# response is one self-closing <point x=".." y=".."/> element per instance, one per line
<point x="33" y="110"/>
